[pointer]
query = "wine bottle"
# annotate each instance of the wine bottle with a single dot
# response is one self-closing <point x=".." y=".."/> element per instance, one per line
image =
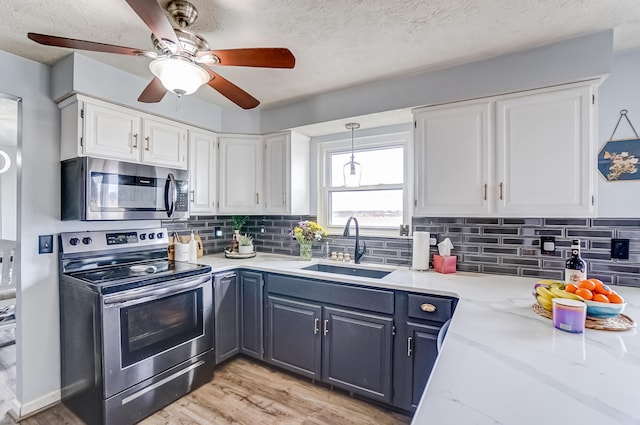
<point x="575" y="268"/>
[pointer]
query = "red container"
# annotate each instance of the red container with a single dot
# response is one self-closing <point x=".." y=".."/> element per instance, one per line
<point x="444" y="264"/>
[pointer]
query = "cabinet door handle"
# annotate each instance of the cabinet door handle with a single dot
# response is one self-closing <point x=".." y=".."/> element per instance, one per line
<point x="148" y="143"/>
<point x="326" y="327"/>
<point x="284" y="198"/>
<point x="429" y="308"/>
<point x="316" y="329"/>
<point x="485" y="191"/>
<point x="409" y="344"/>
<point x="135" y="141"/>
<point x="257" y="199"/>
<point x="193" y="196"/>
<point x="501" y="190"/>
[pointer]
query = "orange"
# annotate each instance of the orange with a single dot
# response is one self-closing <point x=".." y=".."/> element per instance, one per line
<point x="615" y="298"/>
<point x="600" y="298"/>
<point x="570" y="287"/>
<point x="601" y="288"/>
<point x="584" y="293"/>
<point x="587" y="284"/>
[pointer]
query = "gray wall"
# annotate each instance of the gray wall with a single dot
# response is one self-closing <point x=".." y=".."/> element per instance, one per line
<point x="566" y="61"/>
<point x="621" y="90"/>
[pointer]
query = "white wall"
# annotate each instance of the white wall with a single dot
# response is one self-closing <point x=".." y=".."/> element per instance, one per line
<point x="620" y="91"/>
<point x="9" y="196"/>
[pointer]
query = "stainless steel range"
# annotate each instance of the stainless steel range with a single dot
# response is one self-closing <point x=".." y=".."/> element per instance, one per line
<point x="136" y="329"/>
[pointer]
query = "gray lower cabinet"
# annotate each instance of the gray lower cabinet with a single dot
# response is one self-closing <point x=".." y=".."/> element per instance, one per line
<point x="356" y="353"/>
<point x="293" y="336"/>
<point x="251" y="314"/>
<point x="226" y="294"/>
<point x="421" y="353"/>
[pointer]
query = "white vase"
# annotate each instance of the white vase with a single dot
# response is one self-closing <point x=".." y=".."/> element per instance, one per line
<point x="245" y="249"/>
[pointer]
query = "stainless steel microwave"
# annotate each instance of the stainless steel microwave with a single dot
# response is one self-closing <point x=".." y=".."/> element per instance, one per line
<point x="102" y="189"/>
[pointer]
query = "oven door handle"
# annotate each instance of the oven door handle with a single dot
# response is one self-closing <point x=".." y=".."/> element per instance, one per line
<point x="170" y="195"/>
<point x="166" y="290"/>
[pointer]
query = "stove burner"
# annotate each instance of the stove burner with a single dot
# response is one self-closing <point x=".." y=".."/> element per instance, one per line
<point x="143" y="269"/>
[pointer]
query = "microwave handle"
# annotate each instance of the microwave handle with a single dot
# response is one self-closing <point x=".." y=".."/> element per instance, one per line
<point x="170" y="195"/>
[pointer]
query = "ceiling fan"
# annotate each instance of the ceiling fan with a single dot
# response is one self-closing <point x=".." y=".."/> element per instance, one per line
<point x="182" y="60"/>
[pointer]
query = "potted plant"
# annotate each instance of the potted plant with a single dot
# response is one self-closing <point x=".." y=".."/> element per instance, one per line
<point x="246" y="244"/>
<point x="238" y="222"/>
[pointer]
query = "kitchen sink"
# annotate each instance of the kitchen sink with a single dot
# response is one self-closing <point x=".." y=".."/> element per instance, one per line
<point x="351" y="271"/>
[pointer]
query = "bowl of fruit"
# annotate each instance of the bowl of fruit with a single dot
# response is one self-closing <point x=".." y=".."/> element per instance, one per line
<point x="602" y="301"/>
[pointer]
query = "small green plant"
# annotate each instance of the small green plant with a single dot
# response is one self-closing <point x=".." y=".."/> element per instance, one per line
<point x="239" y="221"/>
<point x="245" y="240"/>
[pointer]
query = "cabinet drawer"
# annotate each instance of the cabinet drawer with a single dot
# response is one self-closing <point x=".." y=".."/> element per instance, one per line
<point x="437" y="309"/>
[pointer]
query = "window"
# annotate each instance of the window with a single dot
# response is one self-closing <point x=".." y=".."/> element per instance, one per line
<point x="381" y="202"/>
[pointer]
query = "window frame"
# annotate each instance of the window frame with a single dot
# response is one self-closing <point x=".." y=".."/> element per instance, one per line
<point x="373" y="142"/>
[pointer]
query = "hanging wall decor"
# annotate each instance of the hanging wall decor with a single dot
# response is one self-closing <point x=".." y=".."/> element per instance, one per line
<point x="618" y="160"/>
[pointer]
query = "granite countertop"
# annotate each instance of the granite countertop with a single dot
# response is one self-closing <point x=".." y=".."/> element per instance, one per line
<point x="501" y="363"/>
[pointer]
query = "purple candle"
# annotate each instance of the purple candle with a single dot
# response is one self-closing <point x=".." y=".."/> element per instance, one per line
<point x="569" y="315"/>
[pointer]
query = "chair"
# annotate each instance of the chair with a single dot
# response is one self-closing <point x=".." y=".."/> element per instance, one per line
<point x="7" y="284"/>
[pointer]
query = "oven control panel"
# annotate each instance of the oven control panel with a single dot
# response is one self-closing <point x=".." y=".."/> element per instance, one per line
<point x="95" y="241"/>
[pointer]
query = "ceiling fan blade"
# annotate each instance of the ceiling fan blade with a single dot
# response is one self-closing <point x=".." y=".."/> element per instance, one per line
<point x="51" y="40"/>
<point x="154" y="92"/>
<point x="155" y="18"/>
<point x="231" y="91"/>
<point x="258" y="57"/>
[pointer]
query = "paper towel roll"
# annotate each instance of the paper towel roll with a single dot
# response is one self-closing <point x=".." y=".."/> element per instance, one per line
<point x="420" y="260"/>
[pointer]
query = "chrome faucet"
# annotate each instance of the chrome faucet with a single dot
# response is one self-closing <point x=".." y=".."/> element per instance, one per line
<point x="357" y="255"/>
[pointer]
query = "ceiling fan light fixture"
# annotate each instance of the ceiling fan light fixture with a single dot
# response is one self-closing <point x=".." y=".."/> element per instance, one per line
<point x="179" y="76"/>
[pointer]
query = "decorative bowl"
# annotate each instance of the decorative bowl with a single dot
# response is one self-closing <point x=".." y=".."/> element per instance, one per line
<point x="603" y="310"/>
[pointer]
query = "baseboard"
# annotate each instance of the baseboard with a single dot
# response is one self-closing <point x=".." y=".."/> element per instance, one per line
<point x="22" y="411"/>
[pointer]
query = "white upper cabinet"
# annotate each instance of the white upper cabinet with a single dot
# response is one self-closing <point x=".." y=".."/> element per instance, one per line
<point x="240" y="174"/>
<point x="90" y="127"/>
<point x="203" y="165"/>
<point x="453" y="153"/>
<point x="286" y="173"/>
<point x="111" y="133"/>
<point x="526" y="154"/>
<point x="545" y="154"/>
<point x="165" y="143"/>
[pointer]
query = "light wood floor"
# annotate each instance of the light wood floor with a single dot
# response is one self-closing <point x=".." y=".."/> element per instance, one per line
<point x="247" y="392"/>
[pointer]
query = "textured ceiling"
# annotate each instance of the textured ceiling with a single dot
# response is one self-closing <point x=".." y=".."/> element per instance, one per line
<point x="337" y="43"/>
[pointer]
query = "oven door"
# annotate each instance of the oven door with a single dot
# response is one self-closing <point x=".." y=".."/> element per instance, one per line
<point x="151" y="329"/>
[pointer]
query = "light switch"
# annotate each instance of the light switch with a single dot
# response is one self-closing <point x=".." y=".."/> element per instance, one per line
<point x="45" y="244"/>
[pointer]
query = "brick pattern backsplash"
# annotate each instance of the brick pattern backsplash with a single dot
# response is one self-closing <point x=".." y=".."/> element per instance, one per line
<point x="508" y="246"/>
<point x="511" y="246"/>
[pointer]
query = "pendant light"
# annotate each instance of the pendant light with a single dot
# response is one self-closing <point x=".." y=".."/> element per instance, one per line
<point x="352" y="170"/>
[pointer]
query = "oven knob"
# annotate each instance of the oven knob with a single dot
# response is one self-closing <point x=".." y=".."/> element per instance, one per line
<point x="86" y="240"/>
<point x="143" y="236"/>
<point x="151" y="235"/>
<point x="159" y="235"/>
<point x="74" y="241"/>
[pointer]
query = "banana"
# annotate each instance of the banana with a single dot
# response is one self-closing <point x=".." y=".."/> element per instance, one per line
<point x="549" y="282"/>
<point x="545" y="303"/>
<point x="563" y="294"/>
<point x="545" y="293"/>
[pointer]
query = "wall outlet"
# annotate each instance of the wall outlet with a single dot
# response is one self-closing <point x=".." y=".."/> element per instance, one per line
<point x="45" y="244"/>
<point x="548" y="244"/>
<point x="620" y="249"/>
<point x="433" y="239"/>
<point x="217" y="232"/>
